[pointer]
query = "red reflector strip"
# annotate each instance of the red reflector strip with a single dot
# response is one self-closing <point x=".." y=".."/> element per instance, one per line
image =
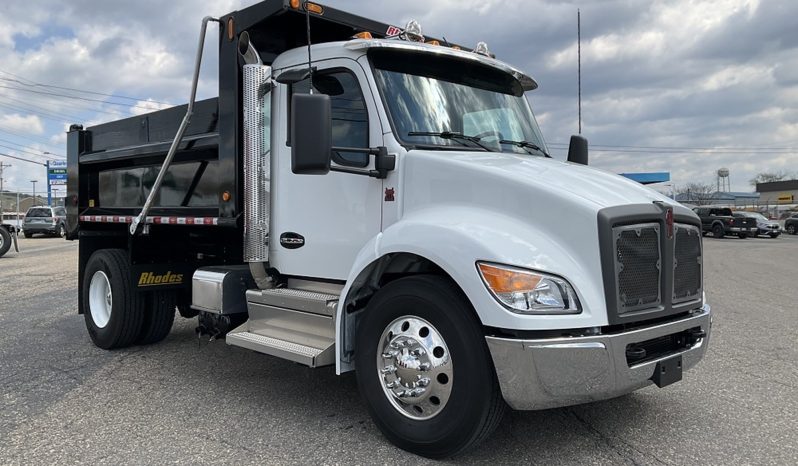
<point x="151" y="220"/>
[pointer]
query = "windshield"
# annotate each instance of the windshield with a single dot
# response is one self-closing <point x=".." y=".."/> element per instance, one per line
<point x="430" y="95"/>
<point x="39" y="212"/>
<point x="759" y="217"/>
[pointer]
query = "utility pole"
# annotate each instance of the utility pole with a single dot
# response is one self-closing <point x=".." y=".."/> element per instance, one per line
<point x="2" y="166"/>
<point x="34" y="191"/>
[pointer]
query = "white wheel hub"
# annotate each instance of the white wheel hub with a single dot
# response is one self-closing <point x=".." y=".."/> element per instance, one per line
<point x="414" y="367"/>
<point x="100" y="299"/>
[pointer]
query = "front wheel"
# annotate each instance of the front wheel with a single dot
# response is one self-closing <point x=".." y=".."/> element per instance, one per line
<point x="791" y="229"/>
<point x="424" y="368"/>
<point x="59" y="231"/>
<point x="717" y="231"/>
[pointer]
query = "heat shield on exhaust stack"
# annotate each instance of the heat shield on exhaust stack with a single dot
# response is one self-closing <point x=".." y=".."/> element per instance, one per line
<point x="257" y="166"/>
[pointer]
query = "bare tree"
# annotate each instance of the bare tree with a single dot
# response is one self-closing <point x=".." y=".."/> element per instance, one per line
<point x="696" y="193"/>
<point x="768" y="177"/>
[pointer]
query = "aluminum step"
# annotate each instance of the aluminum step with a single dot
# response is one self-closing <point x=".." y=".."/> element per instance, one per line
<point x="296" y="299"/>
<point x="303" y="354"/>
<point x="289" y="323"/>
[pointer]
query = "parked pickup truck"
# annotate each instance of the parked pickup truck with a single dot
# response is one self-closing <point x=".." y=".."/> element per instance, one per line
<point x="764" y="225"/>
<point x="720" y="221"/>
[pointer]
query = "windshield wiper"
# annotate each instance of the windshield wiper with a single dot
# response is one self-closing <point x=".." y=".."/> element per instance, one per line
<point x="525" y="145"/>
<point x="450" y="135"/>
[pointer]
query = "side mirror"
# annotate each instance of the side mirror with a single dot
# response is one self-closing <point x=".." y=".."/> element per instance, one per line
<point x="577" y="150"/>
<point x="311" y="134"/>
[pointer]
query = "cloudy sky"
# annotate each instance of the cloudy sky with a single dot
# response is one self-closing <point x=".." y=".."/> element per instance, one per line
<point x="685" y="86"/>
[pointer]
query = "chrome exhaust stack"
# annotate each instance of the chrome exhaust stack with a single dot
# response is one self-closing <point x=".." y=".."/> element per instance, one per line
<point x="257" y="163"/>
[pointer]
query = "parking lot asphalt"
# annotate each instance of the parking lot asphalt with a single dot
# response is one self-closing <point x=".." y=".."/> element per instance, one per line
<point x="62" y="400"/>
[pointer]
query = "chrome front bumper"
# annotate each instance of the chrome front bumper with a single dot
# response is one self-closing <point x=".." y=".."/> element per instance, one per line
<point x="552" y="372"/>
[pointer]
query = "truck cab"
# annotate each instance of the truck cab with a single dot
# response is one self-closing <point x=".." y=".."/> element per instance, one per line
<point x="385" y="202"/>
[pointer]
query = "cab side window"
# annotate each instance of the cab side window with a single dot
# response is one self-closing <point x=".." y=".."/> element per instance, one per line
<point x="350" y="119"/>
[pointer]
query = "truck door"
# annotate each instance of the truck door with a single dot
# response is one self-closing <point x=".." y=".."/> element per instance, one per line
<point x="320" y="222"/>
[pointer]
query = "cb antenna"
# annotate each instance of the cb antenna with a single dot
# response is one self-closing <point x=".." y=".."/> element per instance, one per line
<point x="310" y="62"/>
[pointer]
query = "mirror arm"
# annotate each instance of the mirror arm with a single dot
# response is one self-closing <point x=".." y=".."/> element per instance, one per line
<point x="383" y="161"/>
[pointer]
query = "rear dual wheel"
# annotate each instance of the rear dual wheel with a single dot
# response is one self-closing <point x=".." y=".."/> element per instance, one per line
<point x="424" y="369"/>
<point x="116" y="314"/>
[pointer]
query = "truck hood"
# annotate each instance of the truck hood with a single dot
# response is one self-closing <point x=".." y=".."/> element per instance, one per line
<point x="533" y="175"/>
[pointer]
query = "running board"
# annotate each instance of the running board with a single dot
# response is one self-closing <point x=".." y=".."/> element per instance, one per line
<point x="292" y="324"/>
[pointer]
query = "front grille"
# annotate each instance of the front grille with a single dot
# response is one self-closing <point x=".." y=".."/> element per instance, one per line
<point x="687" y="263"/>
<point x="637" y="266"/>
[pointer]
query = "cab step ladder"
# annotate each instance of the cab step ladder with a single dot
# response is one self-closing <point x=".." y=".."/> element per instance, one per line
<point x="293" y="324"/>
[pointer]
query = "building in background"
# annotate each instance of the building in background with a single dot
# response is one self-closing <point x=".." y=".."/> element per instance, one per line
<point x="778" y="192"/>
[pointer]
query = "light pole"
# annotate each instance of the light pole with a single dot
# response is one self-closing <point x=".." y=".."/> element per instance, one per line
<point x="34" y="191"/>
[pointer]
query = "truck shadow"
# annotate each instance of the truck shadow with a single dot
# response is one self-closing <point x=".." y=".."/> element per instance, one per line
<point x="264" y="390"/>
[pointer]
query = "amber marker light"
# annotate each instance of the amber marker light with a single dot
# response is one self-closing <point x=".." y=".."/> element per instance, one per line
<point x="226" y="196"/>
<point x="504" y="280"/>
<point x="362" y="35"/>
<point x="231" y="29"/>
<point x="295" y="4"/>
<point x="314" y="8"/>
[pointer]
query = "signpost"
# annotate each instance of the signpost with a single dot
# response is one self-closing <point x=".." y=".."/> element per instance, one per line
<point x="56" y="176"/>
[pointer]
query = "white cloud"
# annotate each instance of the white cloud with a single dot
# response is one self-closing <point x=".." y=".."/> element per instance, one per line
<point x="21" y="123"/>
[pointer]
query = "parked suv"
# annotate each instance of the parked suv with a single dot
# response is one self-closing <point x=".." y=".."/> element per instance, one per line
<point x="44" y="219"/>
<point x="764" y="225"/>
<point x="791" y="225"/>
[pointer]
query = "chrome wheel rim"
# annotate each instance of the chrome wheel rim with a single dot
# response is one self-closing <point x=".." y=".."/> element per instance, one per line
<point x="414" y="367"/>
<point x="100" y="299"/>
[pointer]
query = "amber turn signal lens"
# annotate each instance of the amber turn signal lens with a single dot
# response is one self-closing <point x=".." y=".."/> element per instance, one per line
<point x="226" y="196"/>
<point x="505" y="280"/>
<point x="231" y="29"/>
<point x="295" y="4"/>
<point x="362" y="35"/>
<point x="314" y="8"/>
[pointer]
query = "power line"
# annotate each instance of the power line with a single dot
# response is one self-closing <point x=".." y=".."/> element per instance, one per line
<point x="31" y="152"/>
<point x="24" y="160"/>
<point x="34" y="83"/>
<point x="30" y="138"/>
<point x="87" y="99"/>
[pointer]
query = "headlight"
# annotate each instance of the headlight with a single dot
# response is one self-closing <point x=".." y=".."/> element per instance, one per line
<point x="528" y="292"/>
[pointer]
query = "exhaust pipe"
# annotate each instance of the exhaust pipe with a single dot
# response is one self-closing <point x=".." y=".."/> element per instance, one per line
<point x="257" y="166"/>
<point x="247" y="50"/>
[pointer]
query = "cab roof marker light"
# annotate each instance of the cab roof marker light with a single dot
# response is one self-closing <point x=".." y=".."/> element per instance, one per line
<point x="362" y="35"/>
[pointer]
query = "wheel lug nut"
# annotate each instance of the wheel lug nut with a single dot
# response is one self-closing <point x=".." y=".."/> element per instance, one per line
<point x="388" y="369"/>
<point x="418" y="352"/>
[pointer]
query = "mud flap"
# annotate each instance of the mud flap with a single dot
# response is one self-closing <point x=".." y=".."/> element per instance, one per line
<point x="668" y="371"/>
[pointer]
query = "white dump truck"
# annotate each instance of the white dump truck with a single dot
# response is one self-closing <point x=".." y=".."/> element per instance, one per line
<point x="363" y="196"/>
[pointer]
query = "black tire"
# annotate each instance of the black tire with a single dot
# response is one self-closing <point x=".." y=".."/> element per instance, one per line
<point x="718" y="231"/>
<point x="158" y="319"/>
<point x="791" y="229"/>
<point x="475" y="404"/>
<point x="59" y="230"/>
<point x="127" y="305"/>
<point x="25" y="234"/>
<point x="743" y="235"/>
<point x="5" y="241"/>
